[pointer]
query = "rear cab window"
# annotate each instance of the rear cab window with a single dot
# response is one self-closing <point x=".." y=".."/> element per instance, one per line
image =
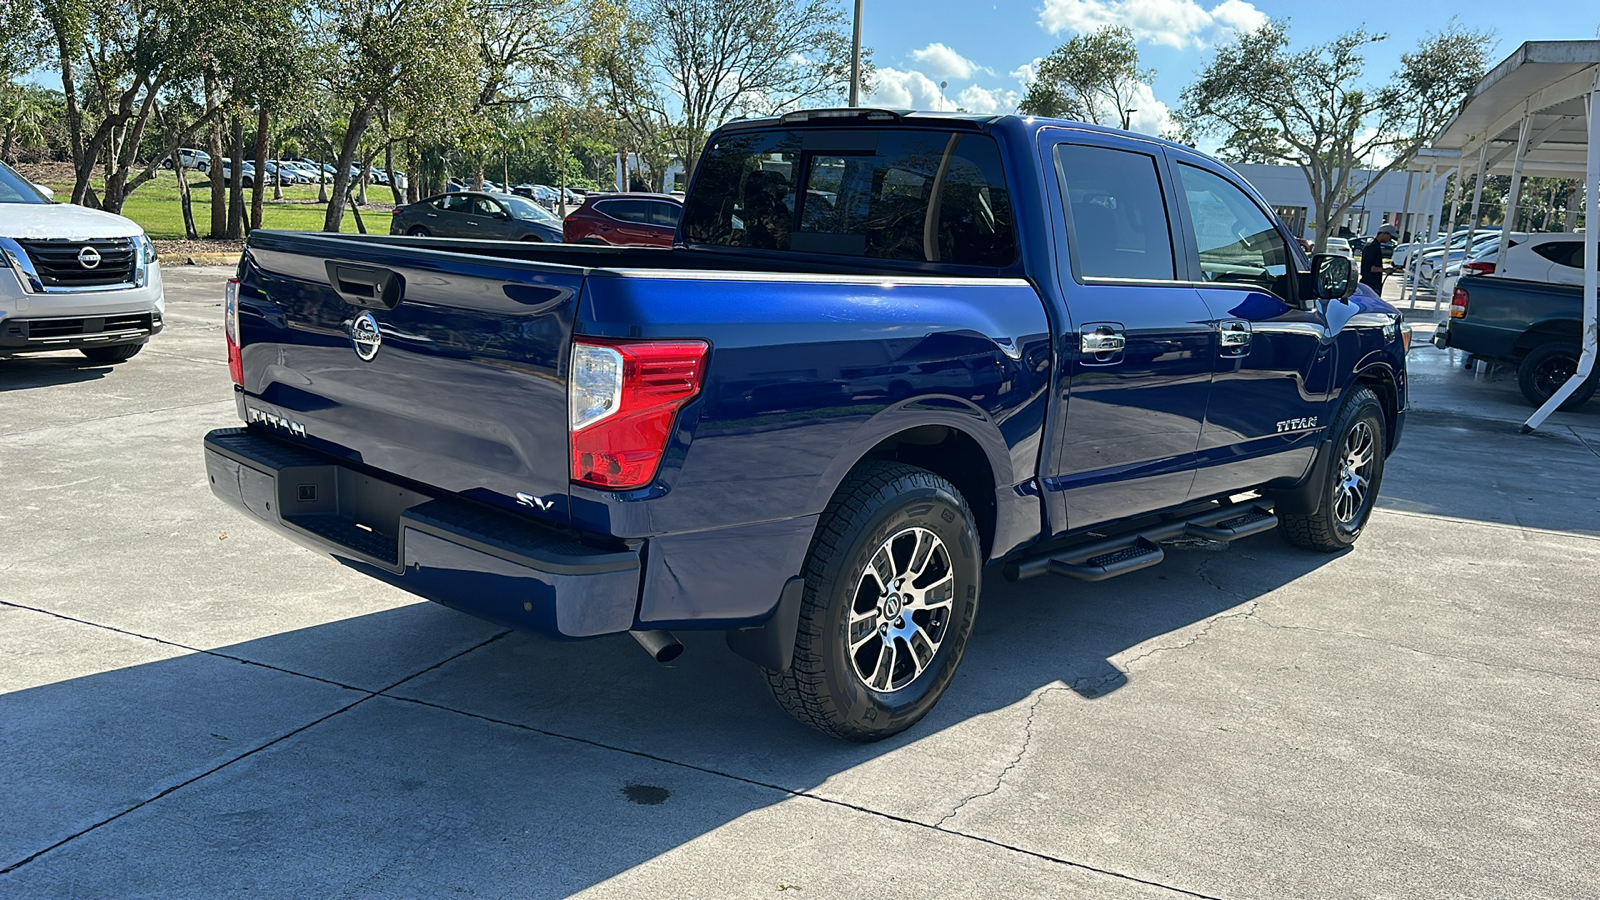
<point x="916" y="195"/>
<point x="1119" y="226"/>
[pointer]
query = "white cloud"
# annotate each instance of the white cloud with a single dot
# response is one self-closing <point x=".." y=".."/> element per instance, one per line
<point x="1151" y="116"/>
<point x="1027" y="72"/>
<point x="996" y="101"/>
<point x="1173" y="23"/>
<point x="1239" y="15"/>
<point x="895" y="89"/>
<point x="942" y="62"/>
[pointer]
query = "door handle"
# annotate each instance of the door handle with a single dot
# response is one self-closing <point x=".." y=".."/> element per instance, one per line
<point x="370" y="286"/>
<point x="1235" y="334"/>
<point x="1102" y="339"/>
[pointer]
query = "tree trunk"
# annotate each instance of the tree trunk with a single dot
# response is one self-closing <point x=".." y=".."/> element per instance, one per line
<point x="236" y="183"/>
<point x="219" y="191"/>
<point x="277" y="183"/>
<point x="69" y="91"/>
<point x="341" y="174"/>
<point x="187" y="203"/>
<point x="256" y="198"/>
<point x="388" y="166"/>
<point x="1570" y="223"/>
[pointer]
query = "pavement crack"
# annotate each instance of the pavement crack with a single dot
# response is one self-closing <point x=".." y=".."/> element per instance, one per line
<point x="808" y="795"/>
<point x="1000" y="780"/>
<point x="1586" y="445"/>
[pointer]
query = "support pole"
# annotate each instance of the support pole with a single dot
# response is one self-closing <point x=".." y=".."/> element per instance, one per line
<point x="1435" y="197"/>
<point x="1404" y="222"/>
<point x="1514" y="195"/>
<point x="1472" y="228"/>
<point x="855" y="60"/>
<point x="1591" y="267"/>
<point x="1455" y="209"/>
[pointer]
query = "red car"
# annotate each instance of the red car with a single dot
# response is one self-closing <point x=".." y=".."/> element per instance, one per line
<point x="634" y="220"/>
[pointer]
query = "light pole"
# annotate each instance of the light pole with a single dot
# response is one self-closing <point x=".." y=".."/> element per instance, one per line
<point x="855" y="60"/>
<point x="1125" y="116"/>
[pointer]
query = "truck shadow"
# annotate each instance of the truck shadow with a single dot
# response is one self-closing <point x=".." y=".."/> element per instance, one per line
<point x="427" y="788"/>
<point x="19" y="373"/>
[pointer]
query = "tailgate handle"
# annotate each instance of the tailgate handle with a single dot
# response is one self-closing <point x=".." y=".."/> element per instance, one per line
<point x="371" y="286"/>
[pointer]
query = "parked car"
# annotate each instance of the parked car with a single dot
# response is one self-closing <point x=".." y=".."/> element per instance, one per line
<point x="1534" y="326"/>
<point x="73" y="278"/>
<point x="188" y="158"/>
<point x="639" y="220"/>
<point x="470" y="214"/>
<point x="812" y="426"/>
<point x="1342" y="247"/>
<point x="283" y="174"/>
<point x="1432" y="264"/>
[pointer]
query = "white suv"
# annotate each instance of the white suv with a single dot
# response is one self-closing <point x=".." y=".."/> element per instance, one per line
<point x="73" y="278"/>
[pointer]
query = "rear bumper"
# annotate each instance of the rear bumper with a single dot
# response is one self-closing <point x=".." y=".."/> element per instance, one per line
<point x="470" y="557"/>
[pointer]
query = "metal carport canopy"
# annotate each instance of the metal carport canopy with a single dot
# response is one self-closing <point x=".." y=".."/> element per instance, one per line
<point x="1537" y="114"/>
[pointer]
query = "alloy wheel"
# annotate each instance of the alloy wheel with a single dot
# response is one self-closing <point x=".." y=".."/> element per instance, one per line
<point x="902" y="609"/>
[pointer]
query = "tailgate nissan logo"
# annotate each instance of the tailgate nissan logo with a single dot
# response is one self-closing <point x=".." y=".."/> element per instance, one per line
<point x="88" y="257"/>
<point x="365" y="336"/>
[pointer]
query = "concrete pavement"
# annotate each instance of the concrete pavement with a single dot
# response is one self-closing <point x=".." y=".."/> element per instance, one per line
<point x="191" y="706"/>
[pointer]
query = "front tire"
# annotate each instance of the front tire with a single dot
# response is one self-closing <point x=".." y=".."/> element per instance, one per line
<point x="1350" y="488"/>
<point x="1543" y="371"/>
<point x="109" y="355"/>
<point x="891" y="591"/>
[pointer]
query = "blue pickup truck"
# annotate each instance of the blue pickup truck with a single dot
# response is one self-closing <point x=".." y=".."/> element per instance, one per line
<point x="888" y="355"/>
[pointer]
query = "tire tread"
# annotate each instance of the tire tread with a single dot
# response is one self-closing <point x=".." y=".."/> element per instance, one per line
<point x="800" y="691"/>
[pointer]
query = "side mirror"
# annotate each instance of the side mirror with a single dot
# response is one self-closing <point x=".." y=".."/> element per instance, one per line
<point x="1332" y="276"/>
<point x="48" y="194"/>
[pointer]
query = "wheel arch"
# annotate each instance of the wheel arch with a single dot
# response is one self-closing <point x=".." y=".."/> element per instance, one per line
<point x="955" y="441"/>
<point x="1544" y="332"/>
<point x="1379" y="379"/>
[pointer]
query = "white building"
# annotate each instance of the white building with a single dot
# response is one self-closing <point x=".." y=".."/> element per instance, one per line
<point x="1285" y="188"/>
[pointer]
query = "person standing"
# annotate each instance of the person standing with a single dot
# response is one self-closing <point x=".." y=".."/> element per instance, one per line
<point x="1372" y="260"/>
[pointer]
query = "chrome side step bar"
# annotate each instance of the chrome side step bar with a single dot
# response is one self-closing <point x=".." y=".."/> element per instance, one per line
<point x="1124" y="553"/>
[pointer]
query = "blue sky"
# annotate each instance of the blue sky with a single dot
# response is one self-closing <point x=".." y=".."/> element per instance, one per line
<point x="983" y="51"/>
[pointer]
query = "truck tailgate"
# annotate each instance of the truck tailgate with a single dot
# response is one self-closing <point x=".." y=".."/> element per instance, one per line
<point x="444" y="368"/>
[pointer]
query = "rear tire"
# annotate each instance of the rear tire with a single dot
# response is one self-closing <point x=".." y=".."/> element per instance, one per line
<point x="1542" y="372"/>
<point x="108" y="355"/>
<point x="1350" y="488"/>
<point x="891" y="591"/>
<point x="418" y="231"/>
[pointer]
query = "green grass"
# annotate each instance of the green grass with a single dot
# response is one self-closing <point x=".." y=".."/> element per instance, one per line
<point x="156" y="208"/>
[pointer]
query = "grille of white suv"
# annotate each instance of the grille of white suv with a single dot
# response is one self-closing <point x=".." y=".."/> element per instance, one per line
<point x="61" y="263"/>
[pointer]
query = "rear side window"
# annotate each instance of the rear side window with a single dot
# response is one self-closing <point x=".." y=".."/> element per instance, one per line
<point x="1119" y="219"/>
<point x="665" y="215"/>
<point x="1562" y="253"/>
<point x="902" y="194"/>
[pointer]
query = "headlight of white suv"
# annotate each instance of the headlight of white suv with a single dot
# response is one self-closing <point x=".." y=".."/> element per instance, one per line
<point x="147" y="247"/>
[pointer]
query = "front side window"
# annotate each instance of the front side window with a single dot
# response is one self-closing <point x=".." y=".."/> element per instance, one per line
<point x="622" y="210"/>
<point x="1236" y="241"/>
<point x="1119" y="219"/>
<point x="902" y="194"/>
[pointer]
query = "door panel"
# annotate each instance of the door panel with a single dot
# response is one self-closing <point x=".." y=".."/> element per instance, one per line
<point x="1136" y="367"/>
<point x="1274" y="369"/>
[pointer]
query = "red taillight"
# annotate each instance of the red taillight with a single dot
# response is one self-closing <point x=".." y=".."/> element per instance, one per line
<point x="1479" y="268"/>
<point x="230" y="328"/>
<point x="623" y="397"/>
<point x="1458" y="304"/>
